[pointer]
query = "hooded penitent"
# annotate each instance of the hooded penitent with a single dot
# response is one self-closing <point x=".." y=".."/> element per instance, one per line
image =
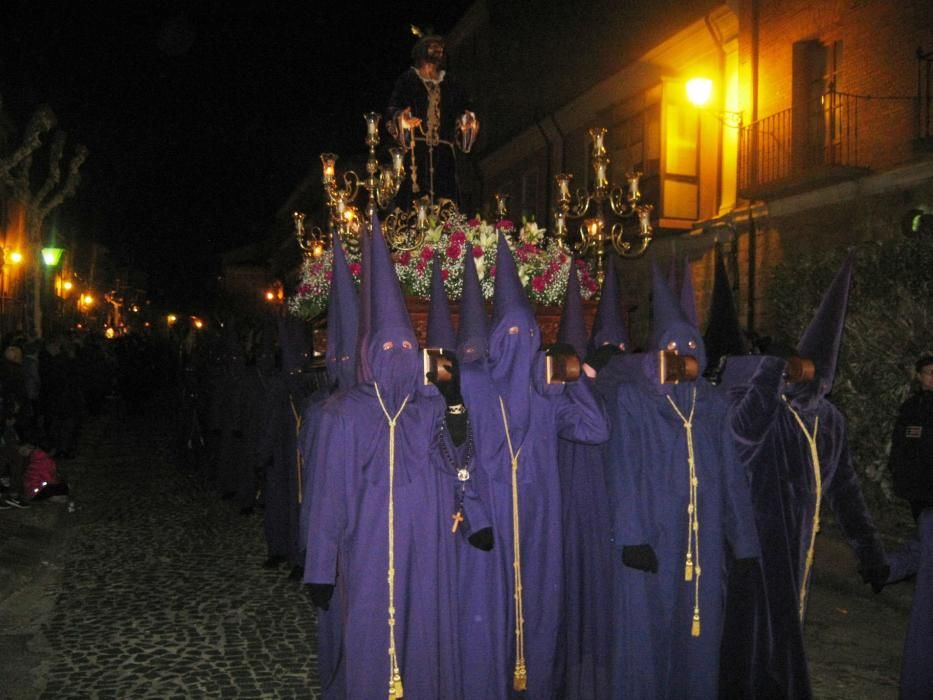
<point x="343" y="312"/>
<point x="277" y="452"/>
<point x="440" y="327"/>
<point x="677" y="496"/>
<point x="572" y="329"/>
<point x="516" y="423"/>
<point x="609" y="324"/>
<point x="377" y="513"/>
<point x="231" y="409"/>
<point x="474" y="324"/>
<point x="585" y="637"/>
<point x="792" y="442"/>
<point x="723" y="337"/>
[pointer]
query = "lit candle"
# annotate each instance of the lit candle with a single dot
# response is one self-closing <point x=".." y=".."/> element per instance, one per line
<point x="398" y="161"/>
<point x="372" y="123"/>
<point x="563" y="186"/>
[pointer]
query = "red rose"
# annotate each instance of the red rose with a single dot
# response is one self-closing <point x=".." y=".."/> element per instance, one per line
<point x="355" y="269"/>
<point x="427" y="253"/>
<point x="477" y="251"/>
<point x="404" y="257"/>
<point x="505" y="224"/>
<point x="445" y="274"/>
<point x="538" y="284"/>
<point x="453" y="251"/>
<point x="458" y="237"/>
<point x="473" y="223"/>
<point x="492" y="270"/>
<point x="421" y="266"/>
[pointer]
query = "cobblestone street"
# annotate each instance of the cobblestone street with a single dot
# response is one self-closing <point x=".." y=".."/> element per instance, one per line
<point x="154" y="588"/>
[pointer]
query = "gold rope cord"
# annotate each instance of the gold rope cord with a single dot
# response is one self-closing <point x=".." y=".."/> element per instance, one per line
<point x="692" y="568"/>
<point x="818" y="481"/>
<point x="299" y="460"/>
<point x="432" y="135"/>
<point x="520" y="676"/>
<point x="395" y="675"/>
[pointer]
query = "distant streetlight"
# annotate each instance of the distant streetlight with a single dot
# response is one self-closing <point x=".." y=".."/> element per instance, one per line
<point x="52" y="256"/>
<point x="16" y="257"/>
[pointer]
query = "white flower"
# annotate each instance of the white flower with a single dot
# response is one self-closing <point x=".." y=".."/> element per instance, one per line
<point x="531" y="232"/>
<point x="480" y="267"/>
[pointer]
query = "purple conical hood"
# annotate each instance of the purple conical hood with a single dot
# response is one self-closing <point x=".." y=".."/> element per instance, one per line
<point x="688" y="300"/>
<point x="343" y="319"/>
<point x="390" y="353"/>
<point x="474" y="324"/>
<point x="822" y="339"/>
<point x="509" y="294"/>
<point x="609" y="325"/>
<point x="440" y="327"/>
<point x="365" y="298"/>
<point x="572" y="328"/>
<point x="514" y="340"/>
<point x="670" y="324"/>
<point x="723" y="335"/>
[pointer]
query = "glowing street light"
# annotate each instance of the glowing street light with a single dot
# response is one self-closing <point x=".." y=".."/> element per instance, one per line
<point x="699" y="91"/>
<point x="52" y="256"/>
<point x="16" y="257"/>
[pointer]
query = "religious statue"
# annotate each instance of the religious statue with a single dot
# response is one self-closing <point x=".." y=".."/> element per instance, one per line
<point x="428" y="114"/>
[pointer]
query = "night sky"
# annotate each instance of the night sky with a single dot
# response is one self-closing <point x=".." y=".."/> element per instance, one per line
<point x="200" y="117"/>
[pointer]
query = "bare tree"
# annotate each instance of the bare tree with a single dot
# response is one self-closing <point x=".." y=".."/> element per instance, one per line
<point x="16" y="173"/>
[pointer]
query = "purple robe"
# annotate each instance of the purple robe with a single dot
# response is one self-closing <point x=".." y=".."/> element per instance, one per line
<point x="656" y="653"/>
<point x="570" y="412"/>
<point x="348" y="543"/>
<point x="915" y="557"/>
<point x="763" y="652"/>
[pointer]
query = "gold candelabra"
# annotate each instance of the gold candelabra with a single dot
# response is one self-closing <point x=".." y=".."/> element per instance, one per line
<point x="596" y="233"/>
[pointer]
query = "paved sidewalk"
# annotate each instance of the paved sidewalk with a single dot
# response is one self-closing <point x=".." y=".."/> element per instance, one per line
<point x="152" y="588"/>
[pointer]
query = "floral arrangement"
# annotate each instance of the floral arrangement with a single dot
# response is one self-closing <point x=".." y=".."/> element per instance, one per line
<point x="543" y="265"/>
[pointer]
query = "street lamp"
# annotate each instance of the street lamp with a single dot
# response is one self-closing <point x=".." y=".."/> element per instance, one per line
<point x="699" y="93"/>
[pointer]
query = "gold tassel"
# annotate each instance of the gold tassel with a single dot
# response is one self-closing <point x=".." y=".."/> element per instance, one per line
<point x="399" y="692"/>
<point x="520" y="679"/>
<point x="695" y="628"/>
<point x="688" y="571"/>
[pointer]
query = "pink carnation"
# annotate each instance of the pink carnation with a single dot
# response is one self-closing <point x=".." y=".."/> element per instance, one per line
<point x="427" y="253"/>
<point x="477" y="251"/>
<point x="453" y="251"/>
<point x="421" y="266"/>
<point x="329" y="275"/>
<point x="591" y="285"/>
<point x="355" y="269"/>
<point x="458" y="237"/>
<point x="492" y="270"/>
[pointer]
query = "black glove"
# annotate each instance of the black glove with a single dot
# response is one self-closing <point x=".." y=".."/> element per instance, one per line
<point x="599" y="358"/>
<point x="457" y="424"/>
<point x="641" y="557"/>
<point x="320" y="594"/>
<point x="482" y="539"/>
<point x="877" y="576"/>
<point x="450" y="390"/>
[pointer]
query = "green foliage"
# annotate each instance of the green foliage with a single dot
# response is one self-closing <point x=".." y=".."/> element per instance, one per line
<point x="888" y="326"/>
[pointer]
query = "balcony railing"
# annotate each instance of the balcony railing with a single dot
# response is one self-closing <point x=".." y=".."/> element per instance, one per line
<point x="816" y="141"/>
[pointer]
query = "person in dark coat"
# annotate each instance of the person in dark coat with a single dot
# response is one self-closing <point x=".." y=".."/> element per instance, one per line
<point x="377" y="520"/>
<point x="679" y="501"/>
<point x="426" y="96"/>
<point x="911" y="465"/>
<point x="519" y="418"/>
<point x="793" y="444"/>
